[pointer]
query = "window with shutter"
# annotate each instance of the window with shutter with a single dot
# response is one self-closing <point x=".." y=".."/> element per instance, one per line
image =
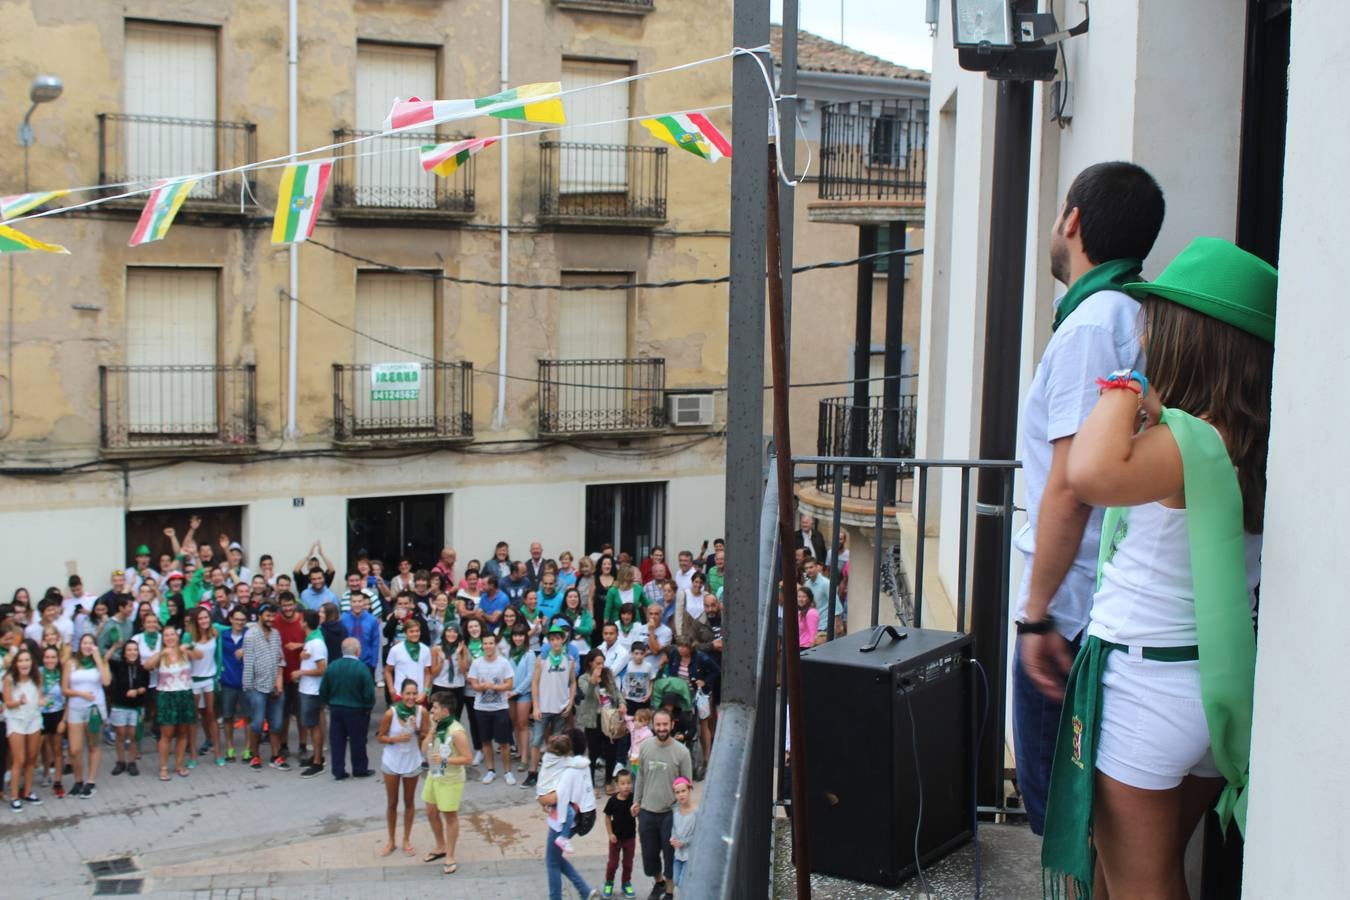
<point x="596" y="160"/>
<point x="171" y="349"/>
<point x="384" y="72"/>
<point x="396" y="323"/>
<point x="170" y="93"/>
<point x="593" y="325"/>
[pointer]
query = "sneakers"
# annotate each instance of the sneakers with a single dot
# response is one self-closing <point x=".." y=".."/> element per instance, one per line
<point x="89" y="790"/>
<point x="132" y="768"/>
<point x="119" y="768"/>
<point x="220" y="760"/>
<point x="564" y="845"/>
<point x="314" y="769"/>
<point x="489" y="776"/>
<point x="509" y="777"/>
<point x="594" y="895"/>
<point x="77" y="789"/>
<point x="205" y="749"/>
<point x="607" y="890"/>
<point x="191" y="763"/>
<point x="255" y="763"/>
<point x="477" y="758"/>
<point x="280" y="763"/>
<point x="33" y="799"/>
<point x="229" y="754"/>
<point x="531" y="780"/>
<point x="59" y="790"/>
<point x="248" y="755"/>
<point x="658" y="891"/>
<point x="16" y="805"/>
<point x="366" y="774"/>
<point x="628" y="890"/>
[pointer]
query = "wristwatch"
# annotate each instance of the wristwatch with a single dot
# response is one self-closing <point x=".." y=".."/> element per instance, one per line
<point x="1043" y="625"/>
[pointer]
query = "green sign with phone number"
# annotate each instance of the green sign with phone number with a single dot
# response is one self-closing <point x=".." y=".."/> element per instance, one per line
<point x="395" y="381"/>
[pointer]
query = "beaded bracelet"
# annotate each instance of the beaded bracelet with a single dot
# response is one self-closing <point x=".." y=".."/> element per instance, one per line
<point x="1130" y="379"/>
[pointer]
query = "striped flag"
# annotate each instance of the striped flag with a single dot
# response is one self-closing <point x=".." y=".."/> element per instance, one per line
<point x="413" y="112"/>
<point x="18" y="204"/>
<point x="12" y="241"/>
<point x="444" y="159"/>
<point x="159" y="211"/>
<point x="300" y="200"/>
<point x="693" y="132"/>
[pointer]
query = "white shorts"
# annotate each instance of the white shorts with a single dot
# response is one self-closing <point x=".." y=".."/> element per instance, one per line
<point x="208" y="686"/>
<point x="1153" y="730"/>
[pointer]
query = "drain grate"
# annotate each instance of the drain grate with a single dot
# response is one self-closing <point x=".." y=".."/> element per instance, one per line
<point x="117" y="865"/>
<point x="108" y="886"/>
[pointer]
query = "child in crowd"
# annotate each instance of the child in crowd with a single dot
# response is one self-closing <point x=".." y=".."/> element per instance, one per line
<point x="130" y="684"/>
<point x="639" y="729"/>
<point x="622" y="831"/>
<point x="558" y="758"/>
<point x="682" y="825"/>
<point x="636" y="682"/>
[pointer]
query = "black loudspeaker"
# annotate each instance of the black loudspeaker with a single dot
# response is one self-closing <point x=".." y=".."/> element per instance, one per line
<point x="863" y="776"/>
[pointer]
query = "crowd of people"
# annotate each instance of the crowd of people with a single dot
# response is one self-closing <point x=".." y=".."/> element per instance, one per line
<point x="563" y="675"/>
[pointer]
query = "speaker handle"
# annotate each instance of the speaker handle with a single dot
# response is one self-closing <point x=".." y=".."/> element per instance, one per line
<point x="878" y="633"/>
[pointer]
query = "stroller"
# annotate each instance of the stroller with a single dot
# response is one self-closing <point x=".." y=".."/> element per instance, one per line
<point x="674" y="695"/>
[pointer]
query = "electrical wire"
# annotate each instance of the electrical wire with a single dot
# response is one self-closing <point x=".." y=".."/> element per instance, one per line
<point x="918" y="781"/>
<point x="974" y="778"/>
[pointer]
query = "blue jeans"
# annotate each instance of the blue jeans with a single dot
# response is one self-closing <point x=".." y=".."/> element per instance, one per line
<point x="1035" y="730"/>
<point x="558" y="865"/>
<point x="266" y="706"/>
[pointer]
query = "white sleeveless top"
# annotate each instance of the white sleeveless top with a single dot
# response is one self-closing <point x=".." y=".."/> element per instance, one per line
<point x="1146" y="597"/>
<point x="85" y="679"/>
<point x="404" y="758"/>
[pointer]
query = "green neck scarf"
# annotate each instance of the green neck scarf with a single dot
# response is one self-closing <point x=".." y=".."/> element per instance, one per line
<point x="476" y="647"/>
<point x="152" y="639"/>
<point x="443" y="728"/>
<point x="413" y="648"/>
<point x="50" y="679"/>
<point x="1226" y="647"/>
<point x="404" y="710"/>
<point x="517" y="653"/>
<point x="86" y="662"/>
<point x="1109" y="276"/>
<point x="555" y="662"/>
<point x="317" y="635"/>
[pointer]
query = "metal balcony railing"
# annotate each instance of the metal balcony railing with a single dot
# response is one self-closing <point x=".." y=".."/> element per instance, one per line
<point x="442" y="409"/>
<point x="148" y="148"/>
<point x="747" y="776"/>
<point x="395" y="180"/>
<point x="170" y="407"/>
<point x="590" y="396"/>
<point x="626" y="7"/>
<point x="602" y="182"/>
<point x="873" y="150"/>
<point x="844" y="429"/>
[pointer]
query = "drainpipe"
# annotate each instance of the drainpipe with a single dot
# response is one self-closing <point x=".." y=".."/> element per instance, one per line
<point x="292" y="62"/>
<point x="504" y="233"/>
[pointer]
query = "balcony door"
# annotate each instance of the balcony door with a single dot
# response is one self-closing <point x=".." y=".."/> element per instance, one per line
<point x="170" y="102"/>
<point x="386" y="528"/>
<point x="396" y="323"/>
<point x="593" y="326"/>
<point x="630" y="516"/>
<point x="594" y="158"/>
<point x="171" y="384"/>
<point x="383" y="72"/>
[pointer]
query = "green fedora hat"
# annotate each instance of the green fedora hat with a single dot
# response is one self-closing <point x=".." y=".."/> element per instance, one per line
<point x="1214" y="277"/>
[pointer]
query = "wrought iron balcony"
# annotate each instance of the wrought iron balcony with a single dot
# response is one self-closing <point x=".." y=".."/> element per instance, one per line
<point x="844" y="429"/>
<point x="442" y="409"/>
<point x="601" y="184"/>
<point x="176" y="407"/>
<point x="619" y="7"/>
<point x="148" y="148"/>
<point x="601" y="396"/>
<point x="874" y="150"/>
<point x="394" y="181"/>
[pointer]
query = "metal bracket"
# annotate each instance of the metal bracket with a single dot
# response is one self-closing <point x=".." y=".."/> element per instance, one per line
<point x="989" y="509"/>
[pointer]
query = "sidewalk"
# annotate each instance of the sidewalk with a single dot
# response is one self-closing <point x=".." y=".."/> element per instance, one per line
<point x="230" y="832"/>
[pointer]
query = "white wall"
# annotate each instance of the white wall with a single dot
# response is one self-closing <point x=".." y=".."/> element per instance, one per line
<point x="1297" y="831"/>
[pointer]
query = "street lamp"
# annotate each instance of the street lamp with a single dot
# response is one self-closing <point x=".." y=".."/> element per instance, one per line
<point x="45" y="89"/>
<point x="982" y="24"/>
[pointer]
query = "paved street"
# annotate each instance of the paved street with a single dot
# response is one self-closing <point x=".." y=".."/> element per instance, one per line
<point x="234" y="833"/>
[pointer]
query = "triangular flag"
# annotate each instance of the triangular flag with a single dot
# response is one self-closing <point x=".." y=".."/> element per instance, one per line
<point x="692" y="132"/>
<point x="12" y="241"/>
<point x="18" y="204"/>
<point x="300" y="200"/>
<point x="445" y="159"/>
<point x="516" y="103"/>
<point x="160" y="208"/>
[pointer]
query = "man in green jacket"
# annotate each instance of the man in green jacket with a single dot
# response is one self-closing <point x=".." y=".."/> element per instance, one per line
<point x="349" y="693"/>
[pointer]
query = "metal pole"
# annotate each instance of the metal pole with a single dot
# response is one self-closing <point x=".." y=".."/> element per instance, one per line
<point x="890" y="392"/>
<point x="504" y="231"/>
<point x="998" y="412"/>
<point x="745" y="354"/>
<point x="787" y="128"/>
<point x="862" y="355"/>
<point x="782" y="442"/>
<point x="292" y="138"/>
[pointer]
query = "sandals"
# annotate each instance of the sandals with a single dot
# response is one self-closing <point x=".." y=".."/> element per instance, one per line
<point x="450" y="868"/>
<point x="164" y="775"/>
<point x="182" y="773"/>
<point x="432" y="857"/>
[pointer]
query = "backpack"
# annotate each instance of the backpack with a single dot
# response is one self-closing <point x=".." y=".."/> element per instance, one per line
<point x="583" y="822"/>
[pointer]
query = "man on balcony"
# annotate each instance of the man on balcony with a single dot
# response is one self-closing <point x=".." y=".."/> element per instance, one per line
<point x="1107" y="225"/>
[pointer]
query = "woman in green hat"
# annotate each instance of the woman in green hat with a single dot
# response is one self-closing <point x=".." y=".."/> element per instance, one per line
<point x="1157" y="715"/>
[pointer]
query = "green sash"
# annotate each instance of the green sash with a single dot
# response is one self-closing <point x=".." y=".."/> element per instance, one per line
<point x="1109" y="276"/>
<point x="1227" y="657"/>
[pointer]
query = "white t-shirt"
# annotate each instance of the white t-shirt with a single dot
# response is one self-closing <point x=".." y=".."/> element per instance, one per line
<point x="147" y="652"/>
<point x="636" y="684"/>
<point x="407" y="667"/>
<point x="575" y="787"/>
<point x="683" y="580"/>
<point x="34" y="631"/>
<point x="498" y="670"/>
<point x="641" y="633"/>
<point x="317" y="650"/>
<point x="1101" y="336"/>
<point x="616" y="657"/>
<point x="68" y="604"/>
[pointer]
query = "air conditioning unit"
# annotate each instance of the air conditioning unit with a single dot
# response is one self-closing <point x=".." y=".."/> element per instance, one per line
<point x="684" y="410"/>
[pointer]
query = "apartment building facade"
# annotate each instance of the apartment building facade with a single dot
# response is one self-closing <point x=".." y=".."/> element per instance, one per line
<point x="151" y="383"/>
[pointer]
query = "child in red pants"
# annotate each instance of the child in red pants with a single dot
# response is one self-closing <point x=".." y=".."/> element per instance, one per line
<point x="622" y="830"/>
